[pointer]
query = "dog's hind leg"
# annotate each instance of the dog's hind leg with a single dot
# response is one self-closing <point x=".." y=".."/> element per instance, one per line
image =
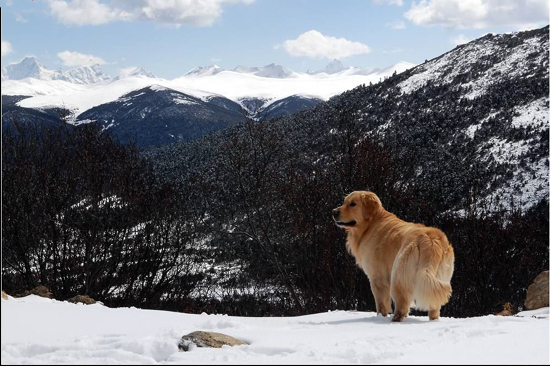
<point x="402" y="280"/>
<point x="435" y="268"/>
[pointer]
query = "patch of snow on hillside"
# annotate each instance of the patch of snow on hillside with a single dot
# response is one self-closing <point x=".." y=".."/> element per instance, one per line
<point x="184" y="101"/>
<point x="446" y="68"/>
<point x="514" y="64"/>
<point x="505" y="151"/>
<point x="83" y="122"/>
<point x="532" y="114"/>
<point x="528" y="187"/>
<point x="157" y="87"/>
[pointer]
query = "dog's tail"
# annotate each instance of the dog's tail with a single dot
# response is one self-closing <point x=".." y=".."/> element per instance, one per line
<point x="433" y="286"/>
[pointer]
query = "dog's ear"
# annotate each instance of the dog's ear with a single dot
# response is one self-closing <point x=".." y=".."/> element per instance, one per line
<point x="371" y="204"/>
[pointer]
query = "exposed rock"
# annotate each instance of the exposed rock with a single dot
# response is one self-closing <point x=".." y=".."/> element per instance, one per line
<point x="208" y="339"/>
<point x="4" y="295"/>
<point x="85" y="299"/>
<point x="42" y="291"/>
<point x="537" y="293"/>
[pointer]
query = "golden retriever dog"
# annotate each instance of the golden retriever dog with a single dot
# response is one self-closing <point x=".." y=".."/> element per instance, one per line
<point x="407" y="262"/>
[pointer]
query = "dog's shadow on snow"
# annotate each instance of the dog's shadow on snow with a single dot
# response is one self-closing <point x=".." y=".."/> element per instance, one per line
<point x="370" y="320"/>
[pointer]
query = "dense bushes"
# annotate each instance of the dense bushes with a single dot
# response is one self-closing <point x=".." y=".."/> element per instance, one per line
<point x="83" y="214"/>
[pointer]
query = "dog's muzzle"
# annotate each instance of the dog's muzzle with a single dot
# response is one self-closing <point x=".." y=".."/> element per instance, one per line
<point x="336" y="218"/>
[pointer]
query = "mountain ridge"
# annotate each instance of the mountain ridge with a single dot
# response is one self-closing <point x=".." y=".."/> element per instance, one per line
<point x="268" y="84"/>
<point x="30" y="67"/>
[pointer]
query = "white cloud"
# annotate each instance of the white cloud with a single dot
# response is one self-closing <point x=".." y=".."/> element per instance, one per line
<point x="396" y="25"/>
<point x="77" y="59"/>
<point x="315" y="45"/>
<point x="460" y="39"/>
<point x="477" y="14"/>
<point x="84" y="12"/>
<point x="20" y="18"/>
<point x="6" y="48"/>
<point x="197" y="13"/>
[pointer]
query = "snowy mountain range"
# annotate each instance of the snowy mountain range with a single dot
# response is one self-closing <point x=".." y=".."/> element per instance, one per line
<point x="335" y="67"/>
<point x="30" y="67"/>
<point x="136" y="98"/>
<point x="268" y="71"/>
<point x="87" y="87"/>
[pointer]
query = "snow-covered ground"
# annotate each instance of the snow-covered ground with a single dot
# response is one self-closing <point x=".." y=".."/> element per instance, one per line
<point x="37" y="331"/>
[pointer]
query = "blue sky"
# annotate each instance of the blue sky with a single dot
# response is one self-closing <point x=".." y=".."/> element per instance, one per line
<point x="170" y="37"/>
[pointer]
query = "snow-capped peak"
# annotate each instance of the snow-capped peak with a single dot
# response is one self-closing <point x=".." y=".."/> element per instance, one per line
<point x="334" y="67"/>
<point x="268" y="71"/>
<point x="136" y="71"/>
<point x="274" y="71"/>
<point x="30" y="67"/>
<point x="85" y="75"/>
<point x="246" y="69"/>
<point x="140" y="71"/>
<point x="204" y="70"/>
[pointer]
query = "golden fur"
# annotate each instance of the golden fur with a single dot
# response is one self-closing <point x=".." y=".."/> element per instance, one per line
<point x="411" y="263"/>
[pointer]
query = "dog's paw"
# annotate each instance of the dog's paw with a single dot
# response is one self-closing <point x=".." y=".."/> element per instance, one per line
<point x="397" y="317"/>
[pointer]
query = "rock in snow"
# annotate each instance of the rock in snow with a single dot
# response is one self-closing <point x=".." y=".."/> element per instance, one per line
<point x="208" y="340"/>
<point x="537" y="293"/>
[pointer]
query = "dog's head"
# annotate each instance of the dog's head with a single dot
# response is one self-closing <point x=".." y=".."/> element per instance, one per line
<point x="358" y="209"/>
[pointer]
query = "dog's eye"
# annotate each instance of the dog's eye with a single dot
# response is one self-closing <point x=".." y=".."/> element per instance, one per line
<point x="352" y="204"/>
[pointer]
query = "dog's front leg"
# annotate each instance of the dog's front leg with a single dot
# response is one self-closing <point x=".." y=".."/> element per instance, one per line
<point x="381" y="291"/>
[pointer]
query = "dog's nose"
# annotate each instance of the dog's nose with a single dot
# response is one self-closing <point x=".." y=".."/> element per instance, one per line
<point x="336" y="213"/>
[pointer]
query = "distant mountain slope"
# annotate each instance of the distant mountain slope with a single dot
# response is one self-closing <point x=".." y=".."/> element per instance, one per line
<point x="157" y="115"/>
<point x="12" y="114"/>
<point x="286" y="106"/>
